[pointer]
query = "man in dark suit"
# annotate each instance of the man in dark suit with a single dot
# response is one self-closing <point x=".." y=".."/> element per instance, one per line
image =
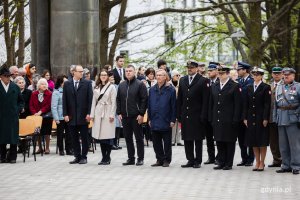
<point x="77" y="101"/>
<point x="119" y="72"/>
<point x="192" y="108"/>
<point x="244" y="80"/>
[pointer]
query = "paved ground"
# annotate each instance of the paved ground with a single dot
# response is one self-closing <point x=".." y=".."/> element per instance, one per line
<point x="51" y="177"/>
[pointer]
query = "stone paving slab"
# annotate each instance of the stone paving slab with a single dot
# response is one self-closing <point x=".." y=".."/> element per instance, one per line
<point x="51" y="177"/>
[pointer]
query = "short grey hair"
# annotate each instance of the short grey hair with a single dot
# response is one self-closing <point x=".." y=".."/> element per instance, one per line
<point x="12" y="68"/>
<point x="42" y="80"/>
<point x="19" y="78"/>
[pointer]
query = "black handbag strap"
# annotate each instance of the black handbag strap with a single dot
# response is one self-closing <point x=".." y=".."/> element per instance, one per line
<point x="101" y="95"/>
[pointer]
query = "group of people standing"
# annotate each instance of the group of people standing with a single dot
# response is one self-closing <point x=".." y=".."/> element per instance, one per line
<point x="216" y="106"/>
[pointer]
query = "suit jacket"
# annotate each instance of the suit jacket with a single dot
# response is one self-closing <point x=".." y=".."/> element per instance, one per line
<point x="117" y="76"/>
<point x="77" y="104"/>
<point x="192" y="107"/>
<point x="26" y="94"/>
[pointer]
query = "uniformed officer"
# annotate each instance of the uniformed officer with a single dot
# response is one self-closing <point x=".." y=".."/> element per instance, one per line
<point x="273" y="128"/>
<point x="256" y="114"/>
<point x="287" y="115"/>
<point x="201" y="69"/>
<point x="244" y="80"/>
<point x="225" y="116"/>
<point x="212" y="73"/>
<point x="192" y="108"/>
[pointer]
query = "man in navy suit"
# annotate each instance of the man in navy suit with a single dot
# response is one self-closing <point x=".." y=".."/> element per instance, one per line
<point x="119" y="72"/>
<point x="244" y="80"/>
<point x="77" y="101"/>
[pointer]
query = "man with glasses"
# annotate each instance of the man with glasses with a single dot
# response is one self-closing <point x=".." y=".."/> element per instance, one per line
<point x="287" y="115"/>
<point x="77" y="101"/>
<point x="11" y="104"/>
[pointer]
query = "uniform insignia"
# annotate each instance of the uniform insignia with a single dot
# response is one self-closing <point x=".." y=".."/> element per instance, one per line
<point x="207" y="84"/>
<point x="270" y="92"/>
<point x="240" y="89"/>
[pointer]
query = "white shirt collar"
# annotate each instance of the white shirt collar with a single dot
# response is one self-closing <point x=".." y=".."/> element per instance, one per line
<point x="223" y="84"/>
<point x="193" y="76"/>
<point x="5" y="86"/>
<point x="246" y="77"/>
<point x="255" y="88"/>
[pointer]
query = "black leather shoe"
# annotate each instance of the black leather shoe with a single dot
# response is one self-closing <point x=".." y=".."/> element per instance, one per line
<point x="83" y="161"/>
<point x="129" y="162"/>
<point x="196" y="165"/>
<point x="218" y="167"/>
<point x="114" y="147"/>
<point x="295" y="171"/>
<point x="3" y="161"/>
<point x="274" y="165"/>
<point x="188" y="164"/>
<point x="12" y="161"/>
<point x="173" y="144"/>
<point x="157" y="164"/>
<point x="217" y="162"/>
<point x="75" y="161"/>
<point x="106" y="162"/>
<point x="241" y="163"/>
<point x="209" y="161"/>
<point x="166" y="164"/>
<point x="227" y="168"/>
<point x="283" y="170"/>
<point x="61" y="153"/>
<point x="248" y="164"/>
<point x="119" y="147"/>
<point x="179" y="144"/>
<point x="139" y="162"/>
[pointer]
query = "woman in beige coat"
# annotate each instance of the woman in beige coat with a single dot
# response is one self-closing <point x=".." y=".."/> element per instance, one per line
<point x="103" y="114"/>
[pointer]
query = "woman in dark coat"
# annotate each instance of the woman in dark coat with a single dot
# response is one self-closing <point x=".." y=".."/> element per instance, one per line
<point x="256" y="114"/>
<point x="40" y="105"/>
<point x="26" y="94"/>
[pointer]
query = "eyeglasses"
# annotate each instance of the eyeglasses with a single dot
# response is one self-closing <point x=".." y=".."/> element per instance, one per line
<point x="103" y="74"/>
<point x="79" y="71"/>
<point x="178" y="75"/>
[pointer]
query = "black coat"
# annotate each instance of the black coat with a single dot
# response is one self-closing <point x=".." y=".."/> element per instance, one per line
<point x="257" y="107"/>
<point x="77" y="104"/>
<point x="117" y="76"/>
<point x="225" y="111"/>
<point x="26" y="94"/>
<point x="192" y="107"/>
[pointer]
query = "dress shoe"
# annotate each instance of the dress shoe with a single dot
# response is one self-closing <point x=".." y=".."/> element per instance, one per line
<point x="188" y="164"/>
<point x="283" y="170"/>
<point x="101" y="162"/>
<point x="83" y="161"/>
<point x="139" y="162"/>
<point x="295" y="171"/>
<point x="166" y="164"/>
<point x="274" y="165"/>
<point x="114" y="147"/>
<point x="61" y="153"/>
<point x="196" y="165"/>
<point x="254" y="169"/>
<point x="248" y="164"/>
<point x="75" y="161"/>
<point x="209" y="161"/>
<point x="106" y="162"/>
<point x="173" y="144"/>
<point x="129" y="162"/>
<point x="261" y="169"/>
<point x="91" y="149"/>
<point x="3" y="161"/>
<point x="241" y="163"/>
<point x="217" y="162"/>
<point x="218" y="167"/>
<point x="227" y="168"/>
<point x="179" y="144"/>
<point x="12" y="161"/>
<point x="119" y="147"/>
<point x="157" y="164"/>
<point x="47" y="151"/>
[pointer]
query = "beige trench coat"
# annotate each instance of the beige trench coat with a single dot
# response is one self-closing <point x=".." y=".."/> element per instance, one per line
<point x="106" y="107"/>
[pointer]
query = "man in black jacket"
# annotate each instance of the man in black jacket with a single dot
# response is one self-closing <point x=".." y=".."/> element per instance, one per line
<point x="77" y="101"/>
<point x="131" y="106"/>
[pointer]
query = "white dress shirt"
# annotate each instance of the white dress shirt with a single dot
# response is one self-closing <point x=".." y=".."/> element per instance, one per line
<point x="223" y="84"/>
<point x="5" y="86"/>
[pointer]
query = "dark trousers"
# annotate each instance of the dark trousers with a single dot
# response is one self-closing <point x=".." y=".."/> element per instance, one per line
<point x="247" y="153"/>
<point x="189" y="150"/>
<point x="63" y="133"/>
<point x="226" y="153"/>
<point x="162" y="144"/>
<point x="12" y="152"/>
<point x="117" y="137"/>
<point x="105" y="150"/>
<point x="274" y="143"/>
<point x="80" y="153"/>
<point x="210" y="143"/>
<point x="130" y="127"/>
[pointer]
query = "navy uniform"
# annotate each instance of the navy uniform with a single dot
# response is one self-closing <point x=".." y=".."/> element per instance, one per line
<point x="246" y="152"/>
<point x="273" y="128"/>
<point x="257" y="109"/>
<point x="225" y="116"/>
<point x="287" y="115"/>
<point x="192" y="113"/>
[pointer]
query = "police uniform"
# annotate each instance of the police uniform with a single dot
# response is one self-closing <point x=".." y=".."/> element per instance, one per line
<point x="225" y="116"/>
<point x="273" y="128"/>
<point x="257" y="109"/>
<point x="192" y="108"/>
<point x="246" y="152"/>
<point x="287" y="115"/>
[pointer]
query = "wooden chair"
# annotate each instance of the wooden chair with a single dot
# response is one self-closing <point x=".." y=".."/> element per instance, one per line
<point x="38" y="120"/>
<point x="26" y="133"/>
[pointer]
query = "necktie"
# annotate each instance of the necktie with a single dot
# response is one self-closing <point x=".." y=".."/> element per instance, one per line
<point x="255" y="87"/>
<point x="76" y="85"/>
<point x="243" y="80"/>
<point x="191" y="79"/>
<point x="121" y="74"/>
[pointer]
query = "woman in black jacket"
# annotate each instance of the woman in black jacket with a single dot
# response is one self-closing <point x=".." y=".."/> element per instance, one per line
<point x="256" y="114"/>
<point x="26" y="94"/>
